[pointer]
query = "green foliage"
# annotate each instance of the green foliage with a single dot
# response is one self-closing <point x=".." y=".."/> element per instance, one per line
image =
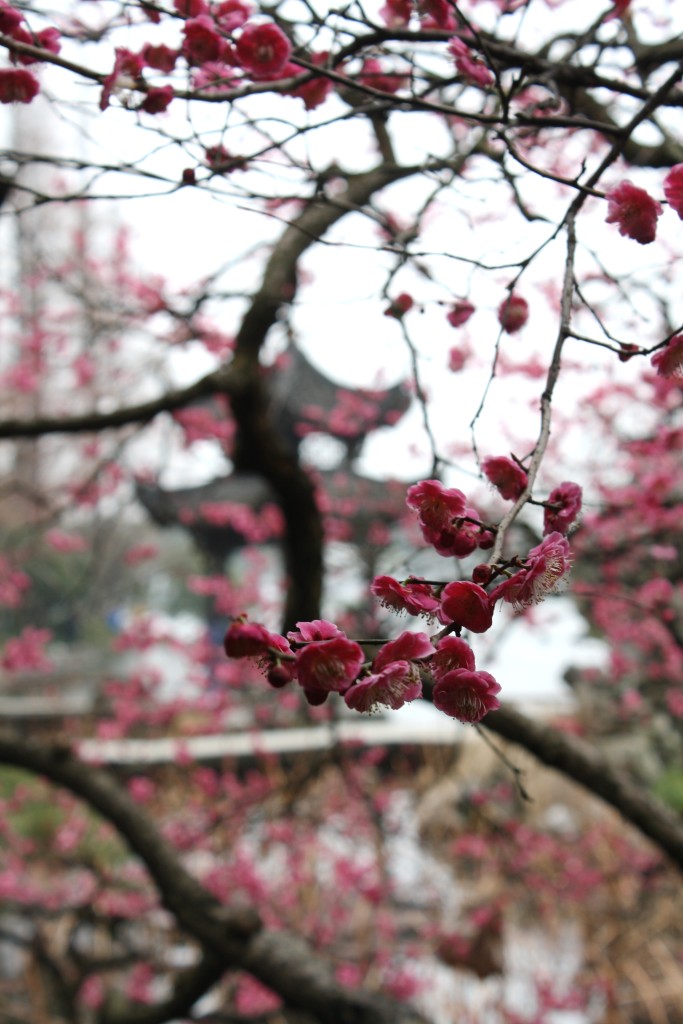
<point x="669" y="788"/>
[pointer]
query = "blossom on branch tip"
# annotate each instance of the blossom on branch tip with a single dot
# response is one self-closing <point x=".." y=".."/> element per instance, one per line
<point x="413" y="597"/>
<point x="468" y="605"/>
<point x="673" y="189"/>
<point x="546" y="567"/>
<point x="566" y="502"/>
<point x="506" y="475"/>
<point x="251" y="640"/>
<point x="459" y="313"/>
<point x="263" y="50"/>
<point x="466" y="695"/>
<point x="399" y="306"/>
<point x="513" y="313"/>
<point x="634" y="211"/>
<point x="668" y="362"/>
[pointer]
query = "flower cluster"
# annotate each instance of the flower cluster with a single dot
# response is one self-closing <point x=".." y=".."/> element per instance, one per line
<point x="448" y="523"/>
<point x="322" y="659"/>
<point x="221" y="47"/>
<point x="16" y="84"/>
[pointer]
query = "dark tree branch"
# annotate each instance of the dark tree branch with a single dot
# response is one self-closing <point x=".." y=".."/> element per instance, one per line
<point x="223" y="381"/>
<point x="234" y="936"/>
<point x="585" y="764"/>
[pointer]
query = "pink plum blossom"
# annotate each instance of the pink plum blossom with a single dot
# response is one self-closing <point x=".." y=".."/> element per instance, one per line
<point x="673" y="189"/>
<point x="202" y="42"/>
<point x="374" y="76"/>
<point x="263" y="50"/>
<point x="161" y="57"/>
<point x="316" y="629"/>
<point x="468" y="605"/>
<point x="413" y="597"/>
<point x="634" y="211"/>
<point x="316" y="90"/>
<point x="435" y="14"/>
<point x="566" y="502"/>
<point x="395" y="685"/>
<point x="668" y="362"/>
<point x="546" y="567"/>
<point x="457" y="358"/>
<point x="10" y="19"/>
<point x="406" y="647"/>
<point x="451" y="653"/>
<point x="466" y="695"/>
<point x="513" y="313"/>
<point x="158" y="99"/>
<point x="251" y="640"/>
<point x="461" y="539"/>
<point x="469" y="65"/>
<point x="459" y="313"/>
<point x="191" y="8"/>
<point x="47" y="39"/>
<point x="329" y="664"/>
<point x="127" y="69"/>
<point x="17" y="85"/>
<point x="396" y="13"/>
<point x="507" y="476"/>
<point x="399" y="306"/>
<point x="231" y="14"/>
<point x="26" y="652"/>
<point x="436" y="505"/>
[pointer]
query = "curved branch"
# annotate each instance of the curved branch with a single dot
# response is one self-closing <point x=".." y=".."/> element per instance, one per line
<point x="280" y="960"/>
<point x="223" y="381"/>
<point x="259" y="448"/>
<point x="585" y="764"/>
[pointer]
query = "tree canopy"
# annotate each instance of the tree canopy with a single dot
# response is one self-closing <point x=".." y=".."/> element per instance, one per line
<point x="375" y="307"/>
